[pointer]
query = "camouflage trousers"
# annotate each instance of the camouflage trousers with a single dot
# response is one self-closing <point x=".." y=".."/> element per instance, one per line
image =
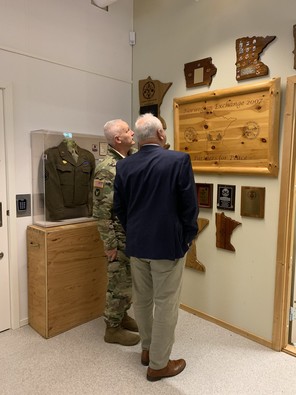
<point x="119" y="289"/>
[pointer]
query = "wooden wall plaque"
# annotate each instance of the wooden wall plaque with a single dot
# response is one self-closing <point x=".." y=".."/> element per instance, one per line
<point x="199" y="72"/>
<point x="191" y="258"/>
<point x="232" y="130"/>
<point x="224" y="228"/>
<point x="248" y="63"/>
<point x="151" y="94"/>
<point x="204" y="195"/>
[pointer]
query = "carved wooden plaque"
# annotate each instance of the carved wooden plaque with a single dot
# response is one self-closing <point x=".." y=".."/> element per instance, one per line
<point x="231" y="130"/>
<point x="199" y="72"/>
<point x="191" y="258"/>
<point x="248" y="63"/>
<point x="224" y="228"/>
<point x="151" y="94"/>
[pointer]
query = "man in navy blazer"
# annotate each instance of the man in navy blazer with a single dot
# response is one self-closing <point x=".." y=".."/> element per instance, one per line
<point x="155" y="200"/>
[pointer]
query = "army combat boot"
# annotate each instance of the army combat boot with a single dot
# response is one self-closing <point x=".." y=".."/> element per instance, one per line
<point x="121" y="336"/>
<point x="129" y="323"/>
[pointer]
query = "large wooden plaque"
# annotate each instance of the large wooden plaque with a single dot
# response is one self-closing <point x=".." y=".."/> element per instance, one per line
<point x="231" y="130"/>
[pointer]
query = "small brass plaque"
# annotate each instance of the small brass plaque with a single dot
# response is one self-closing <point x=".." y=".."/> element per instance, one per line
<point x="252" y="202"/>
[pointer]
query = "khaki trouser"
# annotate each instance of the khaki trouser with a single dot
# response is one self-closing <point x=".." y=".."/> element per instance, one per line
<point x="156" y="297"/>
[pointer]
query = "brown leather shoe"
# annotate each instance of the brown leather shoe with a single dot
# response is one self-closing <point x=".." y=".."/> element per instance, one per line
<point x="173" y="368"/>
<point x="145" y="357"/>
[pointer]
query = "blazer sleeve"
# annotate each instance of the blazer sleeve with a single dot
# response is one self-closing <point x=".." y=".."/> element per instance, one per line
<point x="188" y="206"/>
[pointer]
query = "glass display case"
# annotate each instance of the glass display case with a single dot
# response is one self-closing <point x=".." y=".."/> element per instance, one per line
<point x="63" y="166"/>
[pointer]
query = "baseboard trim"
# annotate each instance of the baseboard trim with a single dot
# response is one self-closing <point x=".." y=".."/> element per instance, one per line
<point x="24" y="322"/>
<point x="225" y="325"/>
<point x="291" y="350"/>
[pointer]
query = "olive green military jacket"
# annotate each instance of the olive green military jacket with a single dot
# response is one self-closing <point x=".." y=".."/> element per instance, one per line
<point x="110" y="229"/>
<point x="68" y="183"/>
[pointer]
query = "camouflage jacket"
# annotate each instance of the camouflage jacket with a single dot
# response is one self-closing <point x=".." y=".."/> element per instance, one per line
<point x="111" y="231"/>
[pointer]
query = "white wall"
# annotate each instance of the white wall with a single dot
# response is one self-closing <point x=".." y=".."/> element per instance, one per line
<point x="237" y="287"/>
<point x="70" y="66"/>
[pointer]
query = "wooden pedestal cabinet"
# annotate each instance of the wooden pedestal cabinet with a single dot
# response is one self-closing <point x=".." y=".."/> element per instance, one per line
<point x="67" y="276"/>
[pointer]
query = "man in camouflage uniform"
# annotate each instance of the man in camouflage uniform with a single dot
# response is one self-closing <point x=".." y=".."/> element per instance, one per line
<point x="119" y="290"/>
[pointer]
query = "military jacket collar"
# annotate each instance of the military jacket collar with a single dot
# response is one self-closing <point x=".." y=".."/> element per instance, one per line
<point x="66" y="155"/>
<point x="117" y="155"/>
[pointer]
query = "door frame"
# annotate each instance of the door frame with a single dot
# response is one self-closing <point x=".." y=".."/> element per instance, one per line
<point x="11" y="204"/>
<point x="286" y="226"/>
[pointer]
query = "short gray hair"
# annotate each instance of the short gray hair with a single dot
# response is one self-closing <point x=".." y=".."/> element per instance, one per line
<point x="111" y="129"/>
<point x="146" y="127"/>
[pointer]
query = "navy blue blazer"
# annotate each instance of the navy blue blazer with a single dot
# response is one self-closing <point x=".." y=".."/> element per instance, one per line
<point x="155" y="200"/>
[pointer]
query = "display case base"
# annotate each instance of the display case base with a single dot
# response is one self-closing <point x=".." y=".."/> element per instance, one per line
<point x="67" y="276"/>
